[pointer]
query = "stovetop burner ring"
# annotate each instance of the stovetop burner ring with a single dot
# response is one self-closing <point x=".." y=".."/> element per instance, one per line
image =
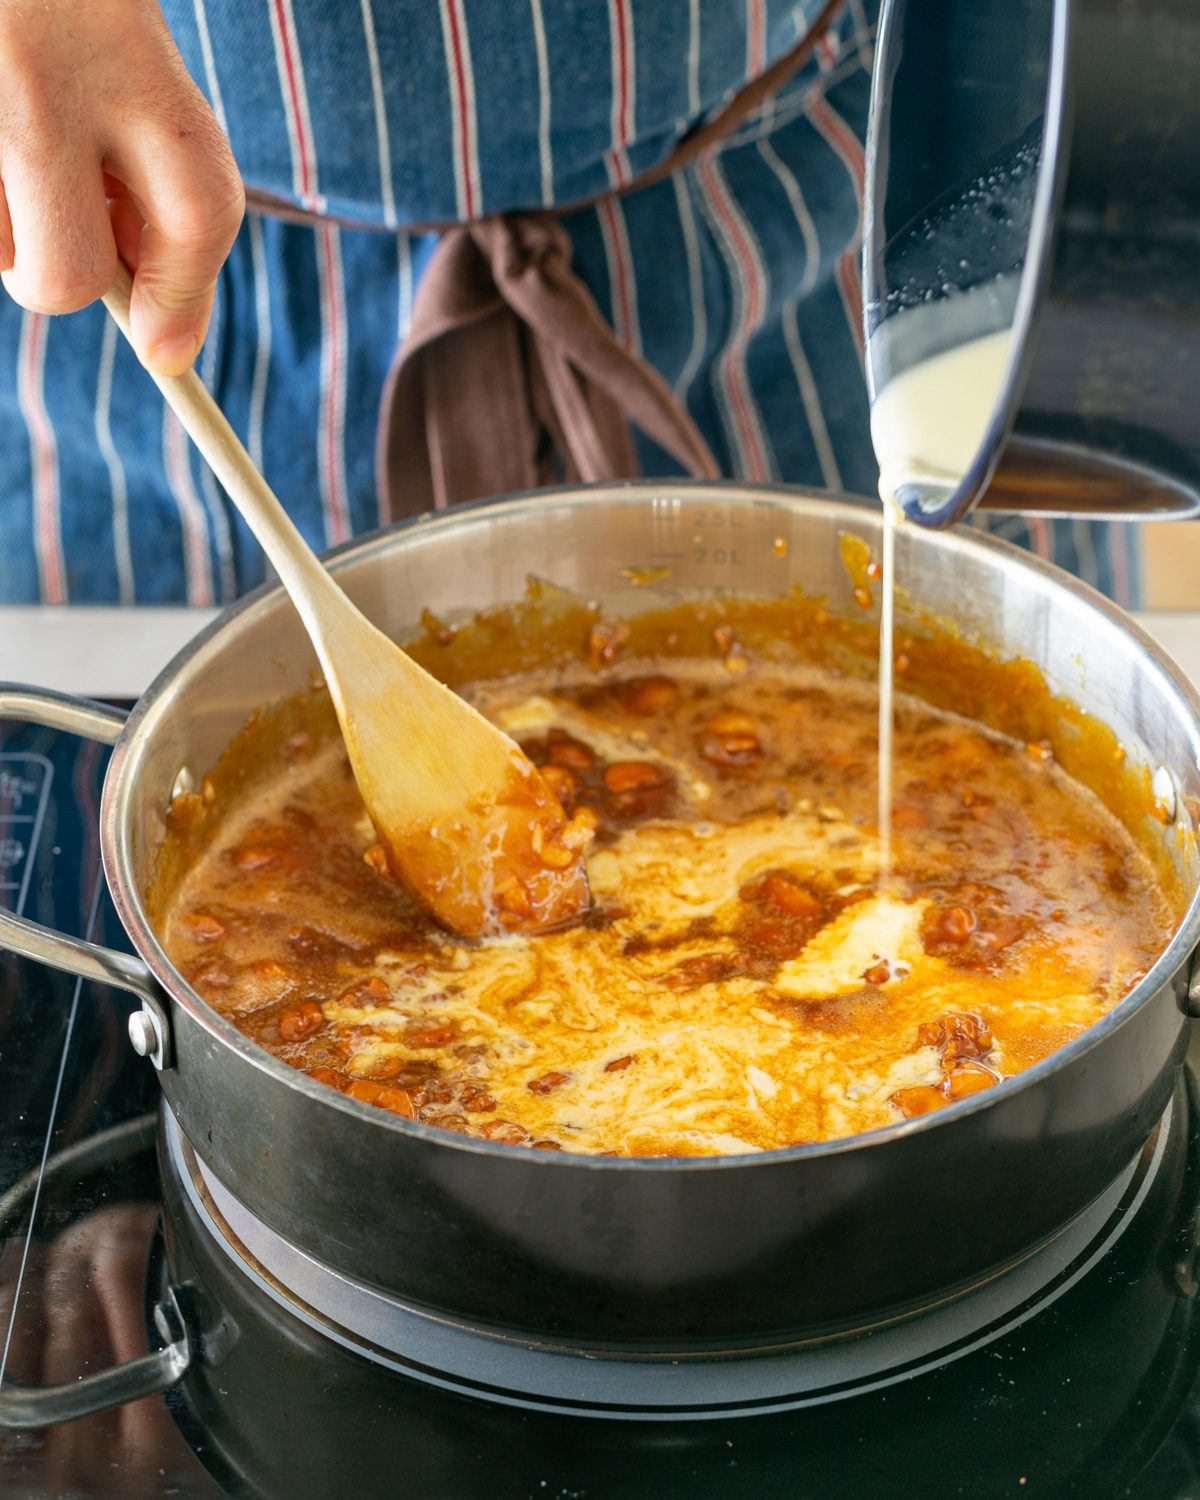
<point x="531" y="1374"/>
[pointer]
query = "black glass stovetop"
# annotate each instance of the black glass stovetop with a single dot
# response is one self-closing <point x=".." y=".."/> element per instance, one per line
<point x="1095" y="1395"/>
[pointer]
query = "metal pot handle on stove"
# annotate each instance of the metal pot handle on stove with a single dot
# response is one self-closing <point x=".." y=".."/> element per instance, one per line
<point x="29" y="1407"/>
<point x="149" y="1029"/>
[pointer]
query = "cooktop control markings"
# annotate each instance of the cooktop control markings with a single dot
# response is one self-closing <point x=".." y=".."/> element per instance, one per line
<point x="25" y="781"/>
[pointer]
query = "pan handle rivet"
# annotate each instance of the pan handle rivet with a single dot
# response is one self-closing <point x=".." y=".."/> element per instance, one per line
<point x="142" y="1035"/>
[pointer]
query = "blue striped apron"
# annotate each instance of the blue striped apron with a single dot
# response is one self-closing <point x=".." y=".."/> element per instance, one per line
<point x="735" y="277"/>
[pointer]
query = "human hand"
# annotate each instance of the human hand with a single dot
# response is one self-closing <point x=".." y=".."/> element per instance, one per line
<point x="108" y="148"/>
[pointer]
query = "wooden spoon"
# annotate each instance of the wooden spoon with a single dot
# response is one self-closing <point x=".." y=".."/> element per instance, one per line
<point x="464" y="820"/>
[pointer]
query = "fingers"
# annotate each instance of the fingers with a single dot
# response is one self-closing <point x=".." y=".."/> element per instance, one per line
<point x="186" y="188"/>
<point x="107" y="147"/>
<point x="61" y="254"/>
<point x="126" y="219"/>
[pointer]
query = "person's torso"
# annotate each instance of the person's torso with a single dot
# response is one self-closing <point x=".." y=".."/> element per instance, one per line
<point x="397" y="112"/>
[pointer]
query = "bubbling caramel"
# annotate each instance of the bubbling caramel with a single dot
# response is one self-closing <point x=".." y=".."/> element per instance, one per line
<point x="741" y="981"/>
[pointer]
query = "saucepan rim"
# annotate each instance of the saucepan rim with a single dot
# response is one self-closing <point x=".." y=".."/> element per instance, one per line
<point x="119" y="795"/>
<point x="1035" y="274"/>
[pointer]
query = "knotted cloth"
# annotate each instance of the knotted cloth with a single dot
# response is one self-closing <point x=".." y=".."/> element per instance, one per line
<point x="510" y="379"/>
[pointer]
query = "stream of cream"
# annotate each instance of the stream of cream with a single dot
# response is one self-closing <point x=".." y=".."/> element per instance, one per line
<point x="927" y="424"/>
<point x="892" y="515"/>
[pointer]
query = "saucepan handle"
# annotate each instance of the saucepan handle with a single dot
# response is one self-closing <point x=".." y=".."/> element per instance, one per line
<point x="33" y="1406"/>
<point x="28" y="1407"/>
<point x="149" y="1028"/>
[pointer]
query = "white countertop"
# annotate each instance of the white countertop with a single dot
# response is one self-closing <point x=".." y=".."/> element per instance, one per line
<point x="102" y="653"/>
<point x="1178" y="633"/>
<point x="117" y="653"/>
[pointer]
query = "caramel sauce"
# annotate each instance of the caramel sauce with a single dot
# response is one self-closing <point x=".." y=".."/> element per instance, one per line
<point x="516" y="864"/>
<point x="742" y="981"/>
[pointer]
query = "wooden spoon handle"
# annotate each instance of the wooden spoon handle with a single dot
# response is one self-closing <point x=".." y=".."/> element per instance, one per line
<point x="460" y="811"/>
<point x="301" y="574"/>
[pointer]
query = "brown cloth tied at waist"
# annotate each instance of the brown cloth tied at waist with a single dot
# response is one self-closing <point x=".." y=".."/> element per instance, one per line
<point x="509" y="378"/>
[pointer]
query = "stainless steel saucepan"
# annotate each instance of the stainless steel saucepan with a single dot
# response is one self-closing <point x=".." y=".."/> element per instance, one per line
<point x="676" y="1256"/>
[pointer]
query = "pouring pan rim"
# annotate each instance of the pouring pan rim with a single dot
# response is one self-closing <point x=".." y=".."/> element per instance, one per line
<point x="117" y="795"/>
